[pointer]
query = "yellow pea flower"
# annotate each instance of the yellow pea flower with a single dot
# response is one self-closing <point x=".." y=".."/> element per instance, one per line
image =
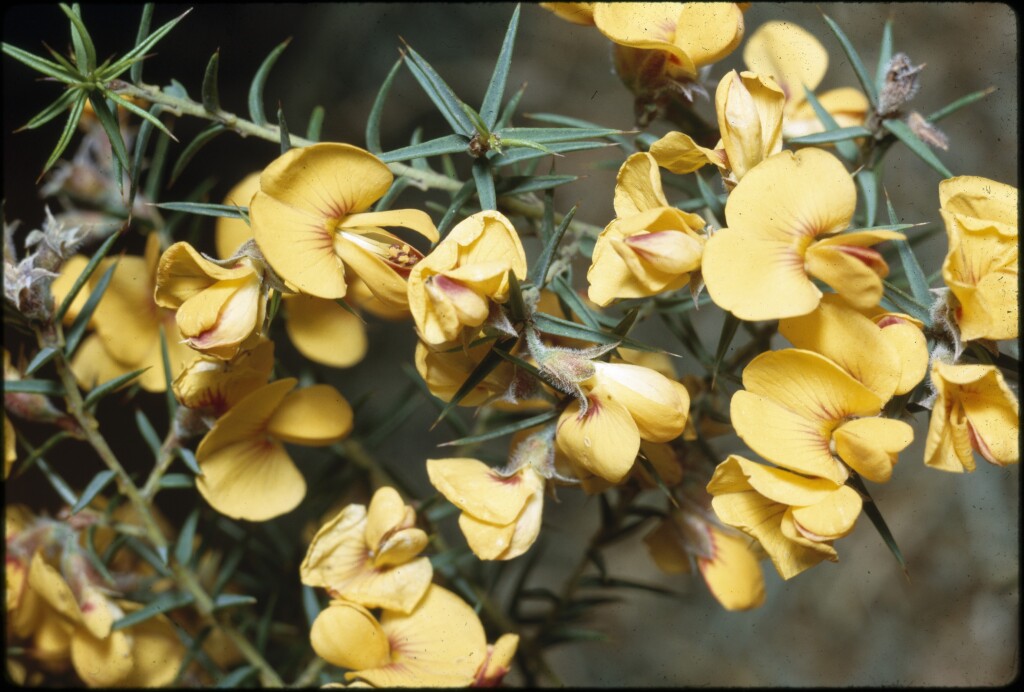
<point x="627" y="403"/>
<point x="501" y="514"/>
<point x="575" y="12"/>
<point x="127" y="323"/>
<point x="445" y="371"/>
<point x="749" y="108"/>
<point x="247" y="474"/>
<point x="803" y="412"/>
<point x="784" y="226"/>
<point x="875" y="354"/>
<point x="668" y="42"/>
<point x="217" y="385"/>
<point x="369" y="555"/>
<point x="650" y="247"/>
<point x="795" y="58"/>
<point x="439" y="644"/>
<point x="795" y="519"/>
<point x="220" y="310"/>
<point x="974" y="410"/>
<point x="981" y="264"/>
<point x="725" y="560"/>
<point x="320" y="329"/>
<point x="451" y="289"/>
<point x="310" y="221"/>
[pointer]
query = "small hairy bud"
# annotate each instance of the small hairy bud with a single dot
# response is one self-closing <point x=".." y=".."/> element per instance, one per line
<point x="901" y="84"/>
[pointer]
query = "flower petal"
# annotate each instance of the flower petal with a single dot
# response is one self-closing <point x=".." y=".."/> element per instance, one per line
<point x="831" y="518"/>
<point x="183" y="273"/>
<point x="790" y="54"/>
<point x="605" y="442"/>
<point x="323" y="331"/>
<point x="678" y="153"/>
<point x="232" y="232"/>
<point x="659" y="406"/>
<point x="413" y="219"/>
<point x="870" y="446"/>
<point x="101" y="662"/>
<point x="255" y="480"/>
<point x="478" y="490"/>
<point x="732" y="573"/>
<point x="648" y="25"/>
<point x="315" y="416"/>
<point x="386" y="513"/>
<point x="638" y="185"/>
<point x="347" y="635"/>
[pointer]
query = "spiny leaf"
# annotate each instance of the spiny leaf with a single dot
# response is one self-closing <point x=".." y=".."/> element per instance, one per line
<point x="44" y="356"/>
<point x="137" y="53"/>
<point x="484" y="185"/>
<point x="147" y="432"/>
<point x="97" y="484"/>
<point x="729" y="327"/>
<point x="556" y="119"/>
<point x="189" y="458"/>
<point x="538" y="277"/>
<point x="316" y="123"/>
<point x="448" y="144"/>
<point x="711" y="200"/>
<point x="77" y="331"/>
<point x="915" y="275"/>
<point x="286" y="140"/>
<point x="34" y="387"/>
<point x="960" y="103"/>
<point x="211" y="95"/>
<point x="496" y="88"/>
<point x="229" y="600"/>
<point x="439" y="92"/>
<point x="552" y="135"/>
<point x="373" y="121"/>
<point x="175" y="480"/>
<point x="856" y="63"/>
<point x="224" y="210"/>
<point x="459" y="200"/>
<point x="481" y="371"/>
<point x="867" y="181"/>
<point x="164" y="603"/>
<point x="201" y="140"/>
<point x="47" y="67"/>
<point x="846" y="149"/>
<point x="871" y="509"/>
<point x="559" y="327"/>
<point x="523" y="184"/>
<point x="142" y="113"/>
<point x="523" y="424"/>
<point x="572" y="299"/>
<point x="110" y="125"/>
<point x="65" y="136"/>
<point x="56" y="108"/>
<point x="183" y="548"/>
<point x="111" y="385"/>
<point x="90" y="267"/>
<point x="165" y="361"/>
<point x="903" y="132"/>
<point x="236" y="677"/>
<point x="85" y="51"/>
<point x="510" y="108"/>
<point x="829" y="136"/>
<point x="523" y="153"/>
<point x="884" y="56"/>
<point x="140" y="36"/>
<point x="256" y="88"/>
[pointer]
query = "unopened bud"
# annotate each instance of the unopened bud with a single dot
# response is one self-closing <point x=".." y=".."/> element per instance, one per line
<point x="926" y="132"/>
<point x="901" y="84"/>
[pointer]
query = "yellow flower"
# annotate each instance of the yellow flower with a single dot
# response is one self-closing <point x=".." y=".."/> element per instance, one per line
<point x="794" y="518"/>
<point x="445" y="371"/>
<point x="725" y="560"/>
<point x="310" y="221"/>
<point x="803" y="412"/>
<point x="127" y="323"/>
<point x="320" y="329"/>
<point x="627" y="403"/>
<point x="217" y="385"/>
<point x="497" y="662"/>
<point x="368" y="555"/>
<point x="981" y="264"/>
<point x="749" y="108"/>
<point x="784" y="221"/>
<point x="650" y="247"/>
<point x="795" y="58"/>
<point x="219" y="309"/>
<point x="247" y="474"/>
<point x="883" y="357"/>
<point x="974" y="409"/>
<point x="676" y="38"/>
<point x="439" y="644"/>
<point x="452" y="288"/>
<point x="501" y="514"/>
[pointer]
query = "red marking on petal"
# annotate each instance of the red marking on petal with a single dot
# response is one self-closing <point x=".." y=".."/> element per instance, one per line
<point x="872" y="258"/>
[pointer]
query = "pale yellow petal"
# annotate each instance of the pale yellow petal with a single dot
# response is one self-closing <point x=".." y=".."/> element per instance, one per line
<point x="708" y="31"/>
<point x="605" y="442"/>
<point x="386" y="513"/>
<point x="232" y="232"/>
<point x="678" y="153"/>
<point x="659" y="406"/>
<point x="127" y="319"/>
<point x="338" y="549"/>
<point x="157" y="653"/>
<point x="664" y="546"/>
<point x="61" y="286"/>
<point x="348" y="636"/>
<point x="478" y="490"/>
<point x="649" y="25"/>
<point x="383" y="280"/>
<point x="870" y="446"/>
<point x="397" y="588"/>
<point x="732" y="573"/>
<point x="910" y="344"/>
<point x="183" y="272"/>
<point x="487" y="541"/>
<point x="315" y="416"/>
<point x="413" y="219"/>
<point x="638" y="186"/>
<point x="790" y="54"/>
<point x="831" y="518"/>
<point x="980" y="198"/>
<point x="254" y="480"/>
<point x="101" y="662"/>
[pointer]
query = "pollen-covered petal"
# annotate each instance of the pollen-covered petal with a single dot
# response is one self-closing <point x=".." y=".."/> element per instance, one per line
<point x="638" y="185"/>
<point x="678" y="153"/>
<point x="439" y="644"/>
<point x="479" y="490"/>
<point x="413" y="219"/>
<point x="832" y="518"/>
<point x="323" y="331"/>
<point x="793" y="197"/>
<point x="329" y="180"/>
<point x="757" y="279"/>
<point x="870" y="446"/>
<point x="254" y="480"/>
<point x="299" y="245"/>
<point x="732" y="573"/>
<point x="605" y="442"/>
<point x="347" y="635"/>
<point x="790" y="54"/>
<point x="101" y="662"/>
<point x="851" y="340"/>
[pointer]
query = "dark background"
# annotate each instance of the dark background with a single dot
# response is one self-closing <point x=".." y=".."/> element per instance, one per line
<point x="855" y="623"/>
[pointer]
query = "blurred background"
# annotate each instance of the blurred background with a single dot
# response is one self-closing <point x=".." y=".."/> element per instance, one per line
<point x="858" y="622"/>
